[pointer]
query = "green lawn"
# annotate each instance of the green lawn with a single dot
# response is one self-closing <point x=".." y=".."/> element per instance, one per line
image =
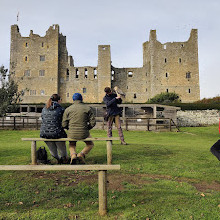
<point x="167" y="175"/>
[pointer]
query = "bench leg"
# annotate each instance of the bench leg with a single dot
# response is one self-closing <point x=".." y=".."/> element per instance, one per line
<point x="102" y="179"/>
<point x="33" y="153"/>
<point x="109" y="152"/>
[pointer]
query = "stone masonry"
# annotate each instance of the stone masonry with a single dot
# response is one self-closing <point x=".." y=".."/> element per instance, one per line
<point x="42" y="66"/>
<point x="197" y="118"/>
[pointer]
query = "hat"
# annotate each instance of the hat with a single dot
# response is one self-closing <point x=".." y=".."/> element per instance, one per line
<point x="77" y="96"/>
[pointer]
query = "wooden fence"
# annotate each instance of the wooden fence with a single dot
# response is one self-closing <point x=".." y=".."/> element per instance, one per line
<point x="128" y="123"/>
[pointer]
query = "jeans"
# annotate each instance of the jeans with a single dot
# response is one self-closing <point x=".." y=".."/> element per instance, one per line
<point x="215" y="149"/>
<point x="116" y="119"/>
<point x="57" y="148"/>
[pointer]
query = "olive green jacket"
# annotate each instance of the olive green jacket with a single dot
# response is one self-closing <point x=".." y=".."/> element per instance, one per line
<point x="78" y="119"/>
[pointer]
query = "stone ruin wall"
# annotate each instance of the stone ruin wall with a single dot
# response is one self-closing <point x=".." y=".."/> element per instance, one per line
<point x="197" y="118"/>
<point x="140" y="84"/>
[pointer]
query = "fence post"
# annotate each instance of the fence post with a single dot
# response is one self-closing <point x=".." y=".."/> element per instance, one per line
<point x="33" y="153"/>
<point x="3" y="122"/>
<point x="14" y="123"/>
<point x="36" y="123"/>
<point x="148" y="124"/>
<point x="109" y="152"/>
<point x="170" y="124"/>
<point x="102" y="176"/>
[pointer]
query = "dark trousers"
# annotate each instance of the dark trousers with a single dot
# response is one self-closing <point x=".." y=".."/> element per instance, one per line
<point x="215" y="149"/>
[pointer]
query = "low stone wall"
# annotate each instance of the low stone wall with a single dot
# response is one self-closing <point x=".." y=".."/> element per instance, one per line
<point x="197" y="118"/>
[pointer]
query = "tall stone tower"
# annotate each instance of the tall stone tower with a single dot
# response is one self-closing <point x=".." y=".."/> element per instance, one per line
<point x="173" y="67"/>
<point x="34" y="62"/>
<point x="104" y="70"/>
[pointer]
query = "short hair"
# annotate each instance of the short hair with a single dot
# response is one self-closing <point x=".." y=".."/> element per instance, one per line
<point x="107" y="89"/>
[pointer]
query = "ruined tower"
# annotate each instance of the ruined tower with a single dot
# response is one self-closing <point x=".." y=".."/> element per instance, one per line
<point x="42" y="66"/>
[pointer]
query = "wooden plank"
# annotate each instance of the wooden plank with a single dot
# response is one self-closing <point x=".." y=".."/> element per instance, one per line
<point x="33" y="153"/>
<point x="109" y="152"/>
<point x="69" y="139"/>
<point x="102" y="179"/>
<point x="60" y="167"/>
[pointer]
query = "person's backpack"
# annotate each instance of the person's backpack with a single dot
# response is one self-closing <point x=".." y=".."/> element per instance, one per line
<point x="42" y="155"/>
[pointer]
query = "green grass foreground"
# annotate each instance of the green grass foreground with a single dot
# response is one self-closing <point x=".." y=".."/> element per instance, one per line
<point x="167" y="175"/>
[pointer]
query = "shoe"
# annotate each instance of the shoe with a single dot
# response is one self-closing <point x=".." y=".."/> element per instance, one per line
<point x="73" y="160"/>
<point x="123" y="143"/>
<point x="65" y="160"/>
<point x="81" y="159"/>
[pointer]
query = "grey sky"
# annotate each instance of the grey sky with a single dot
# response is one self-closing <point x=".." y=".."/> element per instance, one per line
<point x="124" y="24"/>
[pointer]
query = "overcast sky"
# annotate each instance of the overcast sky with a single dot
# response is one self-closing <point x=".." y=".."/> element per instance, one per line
<point x="123" y="24"/>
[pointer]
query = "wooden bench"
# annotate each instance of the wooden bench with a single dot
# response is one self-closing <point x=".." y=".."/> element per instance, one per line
<point x="107" y="139"/>
<point x="102" y="176"/>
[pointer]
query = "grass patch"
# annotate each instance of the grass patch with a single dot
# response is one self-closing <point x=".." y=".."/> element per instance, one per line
<point x="168" y="175"/>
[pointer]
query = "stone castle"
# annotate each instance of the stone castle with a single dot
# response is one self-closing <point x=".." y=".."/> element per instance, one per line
<point x="42" y="66"/>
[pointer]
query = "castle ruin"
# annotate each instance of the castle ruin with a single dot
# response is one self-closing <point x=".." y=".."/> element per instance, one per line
<point x="42" y="66"/>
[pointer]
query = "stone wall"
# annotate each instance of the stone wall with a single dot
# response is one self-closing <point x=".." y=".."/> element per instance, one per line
<point x="196" y="118"/>
<point x="42" y="66"/>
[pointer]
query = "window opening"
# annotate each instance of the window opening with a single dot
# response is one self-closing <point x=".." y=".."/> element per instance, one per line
<point x="67" y="74"/>
<point x="32" y="92"/>
<point x="26" y="58"/>
<point x="130" y="74"/>
<point x="41" y="72"/>
<point x="188" y="75"/>
<point x="84" y="90"/>
<point x="180" y="60"/>
<point x="67" y="95"/>
<point x="167" y="90"/>
<point x="165" y="47"/>
<point x="27" y="72"/>
<point x="77" y="73"/>
<point x="86" y="74"/>
<point x="165" y="60"/>
<point x="95" y="73"/>
<point x="166" y="74"/>
<point x="42" y="44"/>
<point x="42" y="58"/>
<point x="189" y="91"/>
<point x="26" y="44"/>
<point x="42" y="92"/>
<point x="135" y="96"/>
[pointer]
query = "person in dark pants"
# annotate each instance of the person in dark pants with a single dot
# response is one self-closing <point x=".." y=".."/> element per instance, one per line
<point x="51" y="128"/>
<point x="215" y="149"/>
<point x="112" y="100"/>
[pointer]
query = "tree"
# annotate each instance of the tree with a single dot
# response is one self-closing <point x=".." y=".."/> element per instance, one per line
<point x="9" y="94"/>
<point x="165" y="98"/>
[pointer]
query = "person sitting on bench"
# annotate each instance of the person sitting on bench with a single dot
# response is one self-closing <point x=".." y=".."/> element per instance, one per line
<point x="51" y="128"/>
<point x="78" y="119"/>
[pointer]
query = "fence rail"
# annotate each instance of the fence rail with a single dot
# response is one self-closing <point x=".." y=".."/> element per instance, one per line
<point x="128" y="123"/>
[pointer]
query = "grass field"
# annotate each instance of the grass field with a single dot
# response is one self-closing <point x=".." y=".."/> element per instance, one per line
<point x="168" y="175"/>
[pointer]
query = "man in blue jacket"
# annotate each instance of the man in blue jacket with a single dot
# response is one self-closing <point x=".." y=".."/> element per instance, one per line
<point x="112" y="100"/>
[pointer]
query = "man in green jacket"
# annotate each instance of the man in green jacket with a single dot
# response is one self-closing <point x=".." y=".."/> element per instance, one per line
<point x="78" y="119"/>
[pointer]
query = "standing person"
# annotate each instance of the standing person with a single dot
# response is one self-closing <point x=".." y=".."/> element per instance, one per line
<point x="112" y="100"/>
<point x="51" y="128"/>
<point x="78" y="119"/>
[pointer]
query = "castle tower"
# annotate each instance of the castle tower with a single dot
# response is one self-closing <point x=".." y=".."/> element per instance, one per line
<point x="34" y="62"/>
<point x="173" y="66"/>
<point x="104" y="70"/>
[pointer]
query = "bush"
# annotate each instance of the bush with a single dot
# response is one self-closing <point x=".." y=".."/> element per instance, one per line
<point x="165" y="98"/>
